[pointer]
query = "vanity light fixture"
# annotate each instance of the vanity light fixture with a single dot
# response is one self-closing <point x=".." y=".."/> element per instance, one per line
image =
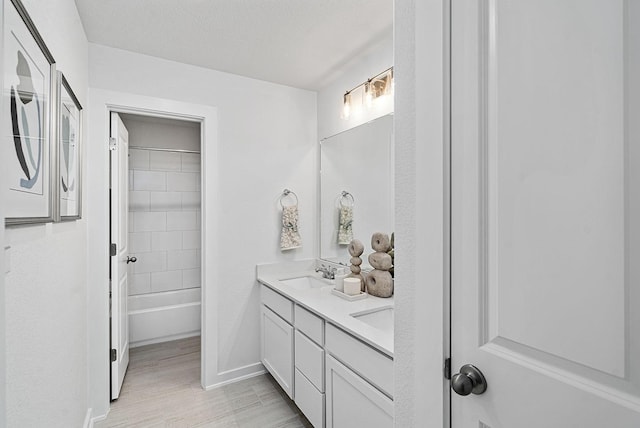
<point x="369" y="91"/>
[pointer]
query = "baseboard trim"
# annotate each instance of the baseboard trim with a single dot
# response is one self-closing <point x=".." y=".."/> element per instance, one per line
<point x="163" y="339"/>
<point x="236" y="375"/>
<point x="95" y="419"/>
<point x="88" y="422"/>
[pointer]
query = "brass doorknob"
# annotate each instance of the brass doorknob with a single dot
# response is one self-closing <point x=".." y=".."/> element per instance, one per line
<point x="469" y="380"/>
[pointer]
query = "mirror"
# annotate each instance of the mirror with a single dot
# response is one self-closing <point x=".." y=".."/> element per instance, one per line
<point x="356" y="188"/>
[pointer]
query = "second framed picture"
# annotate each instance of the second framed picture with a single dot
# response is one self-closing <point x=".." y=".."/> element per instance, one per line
<point x="69" y="156"/>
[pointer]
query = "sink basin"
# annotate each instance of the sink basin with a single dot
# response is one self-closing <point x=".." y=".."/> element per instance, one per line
<point x="381" y="318"/>
<point x="306" y="282"/>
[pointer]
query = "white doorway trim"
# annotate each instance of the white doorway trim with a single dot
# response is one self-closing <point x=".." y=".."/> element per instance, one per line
<point x="420" y="126"/>
<point x="101" y="103"/>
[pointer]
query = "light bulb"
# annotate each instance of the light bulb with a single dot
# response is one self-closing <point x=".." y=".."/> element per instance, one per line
<point x="346" y="106"/>
<point x="368" y="94"/>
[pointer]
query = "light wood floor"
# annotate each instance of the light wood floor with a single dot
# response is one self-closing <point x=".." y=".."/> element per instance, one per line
<point x="162" y="389"/>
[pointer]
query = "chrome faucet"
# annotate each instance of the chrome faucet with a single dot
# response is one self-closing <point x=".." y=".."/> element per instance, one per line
<point x="328" y="272"/>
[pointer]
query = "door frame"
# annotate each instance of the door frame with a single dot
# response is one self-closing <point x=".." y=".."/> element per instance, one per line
<point x="102" y="103"/>
<point x="421" y="126"/>
<point x="185" y="118"/>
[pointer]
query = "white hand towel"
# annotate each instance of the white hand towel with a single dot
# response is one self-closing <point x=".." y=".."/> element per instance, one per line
<point x="290" y="238"/>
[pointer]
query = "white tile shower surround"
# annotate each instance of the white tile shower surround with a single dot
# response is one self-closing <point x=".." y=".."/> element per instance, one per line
<point x="140" y="283"/>
<point x="190" y="278"/>
<point x="165" y="161"/>
<point x="190" y="162"/>
<point x="185" y="220"/>
<point x="164" y="230"/>
<point x="166" y="201"/>
<point x="183" y="181"/>
<point x="161" y="241"/>
<point x="149" y="180"/>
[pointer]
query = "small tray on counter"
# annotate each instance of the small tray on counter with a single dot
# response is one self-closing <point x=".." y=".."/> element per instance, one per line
<point x="348" y="297"/>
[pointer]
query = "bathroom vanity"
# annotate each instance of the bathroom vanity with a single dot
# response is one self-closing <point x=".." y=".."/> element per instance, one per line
<point x="332" y="356"/>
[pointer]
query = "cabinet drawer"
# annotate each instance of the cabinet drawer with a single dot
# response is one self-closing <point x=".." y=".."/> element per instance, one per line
<point x="310" y="360"/>
<point x="372" y="365"/>
<point x="310" y="324"/>
<point x="309" y="400"/>
<point x="278" y="304"/>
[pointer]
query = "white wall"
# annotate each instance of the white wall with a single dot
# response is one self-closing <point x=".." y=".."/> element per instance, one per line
<point x="267" y="136"/>
<point x="3" y="154"/>
<point x="45" y="291"/>
<point x="372" y="61"/>
<point x="420" y="212"/>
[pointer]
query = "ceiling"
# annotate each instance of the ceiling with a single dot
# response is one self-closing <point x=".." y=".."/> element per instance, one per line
<point x="300" y="43"/>
<point x="155" y="120"/>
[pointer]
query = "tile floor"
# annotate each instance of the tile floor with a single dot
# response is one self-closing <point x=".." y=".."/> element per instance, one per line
<point x="162" y="389"/>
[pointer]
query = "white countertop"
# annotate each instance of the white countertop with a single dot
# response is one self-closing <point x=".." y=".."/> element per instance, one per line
<point x="332" y="308"/>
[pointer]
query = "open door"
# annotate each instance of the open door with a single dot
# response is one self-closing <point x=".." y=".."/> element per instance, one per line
<point x="545" y="213"/>
<point x="119" y="146"/>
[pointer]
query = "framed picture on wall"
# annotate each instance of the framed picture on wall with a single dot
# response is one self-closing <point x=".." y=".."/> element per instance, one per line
<point x="69" y="157"/>
<point x="29" y="76"/>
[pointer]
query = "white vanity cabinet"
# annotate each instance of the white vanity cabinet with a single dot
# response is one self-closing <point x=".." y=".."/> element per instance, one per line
<point x="359" y="383"/>
<point x="292" y="340"/>
<point x="277" y="338"/>
<point x="335" y="379"/>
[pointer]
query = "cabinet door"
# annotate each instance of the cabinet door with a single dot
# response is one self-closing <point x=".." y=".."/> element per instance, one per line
<point x="277" y="349"/>
<point x="353" y="402"/>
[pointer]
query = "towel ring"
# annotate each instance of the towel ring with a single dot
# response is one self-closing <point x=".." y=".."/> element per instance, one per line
<point x="286" y="193"/>
<point x="348" y="197"/>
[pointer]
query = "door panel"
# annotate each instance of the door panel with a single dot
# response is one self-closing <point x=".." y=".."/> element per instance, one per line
<point x="277" y="349"/>
<point x="554" y="160"/>
<point x="119" y="238"/>
<point x="353" y="402"/>
<point x="543" y="204"/>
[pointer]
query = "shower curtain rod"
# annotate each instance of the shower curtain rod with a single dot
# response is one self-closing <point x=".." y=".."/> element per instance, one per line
<point x="157" y="149"/>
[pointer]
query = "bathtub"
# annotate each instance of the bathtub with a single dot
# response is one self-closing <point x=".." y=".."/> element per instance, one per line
<point x="161" y="317"/>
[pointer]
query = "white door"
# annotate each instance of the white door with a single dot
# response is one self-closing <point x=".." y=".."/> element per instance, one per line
<point x="119" y="145"/>
<point x="546" y="212"/>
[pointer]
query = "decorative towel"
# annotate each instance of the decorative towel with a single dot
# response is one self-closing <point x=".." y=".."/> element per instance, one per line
<point x="290" y="238"/>
<point x="345" y="225"/>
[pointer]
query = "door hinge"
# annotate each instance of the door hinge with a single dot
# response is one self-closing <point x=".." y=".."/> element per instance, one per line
<point x="114" y="355"/>
<point x="447" y="368"/>
<point x="113" y="250"/>
<point x="113" y="143"/>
